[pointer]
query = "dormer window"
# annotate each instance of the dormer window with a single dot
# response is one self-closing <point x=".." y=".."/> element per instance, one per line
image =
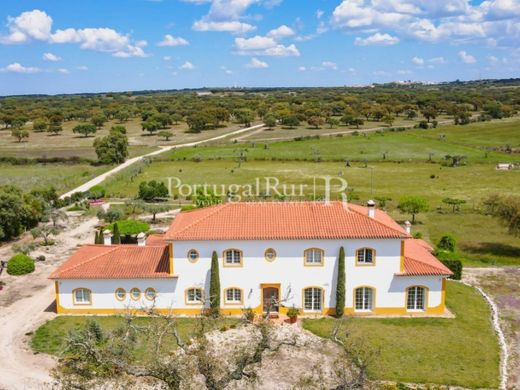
<point x="365" y="256"/>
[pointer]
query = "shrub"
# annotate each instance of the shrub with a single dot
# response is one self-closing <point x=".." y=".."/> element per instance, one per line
<point x="455" y="266"/>
<point x="447" y="242"/>
<point x="130" y="227"/>
<point x="96" y="192"/>
<point x="20" y="264"/>
<point x="249" y="314"/>
<point x="293" y="312"/>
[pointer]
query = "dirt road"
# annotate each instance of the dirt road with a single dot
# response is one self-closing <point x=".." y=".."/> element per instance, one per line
<point x="23" y="307"/>
<point x="99" y="179"/>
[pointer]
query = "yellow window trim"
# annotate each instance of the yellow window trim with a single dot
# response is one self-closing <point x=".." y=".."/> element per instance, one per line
<point x="154" y="291"/>
<point x="322" y="300"/>
<point x="132" y="296"/>
<point x="226" y="302"/>
<point x="372" y="264"/>
<point x="120" y="289"/>
<point x="268" y="259"/>
<point x="305" y="264"/>
<point x="374" y="295"/>
<point x="187" y="302"/>
<point x="190" y="259"/>
<point x="89" y="303"/>
<point x="224" y="264"/>
<point x="426" y="297"/>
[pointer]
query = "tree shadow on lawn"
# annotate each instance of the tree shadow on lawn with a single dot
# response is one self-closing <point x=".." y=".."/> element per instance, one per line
<point x="492" y="248"/>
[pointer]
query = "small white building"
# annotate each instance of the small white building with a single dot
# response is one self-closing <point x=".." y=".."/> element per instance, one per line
<point x="281" y="252"/>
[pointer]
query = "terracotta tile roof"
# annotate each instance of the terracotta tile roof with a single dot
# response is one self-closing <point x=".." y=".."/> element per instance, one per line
<point x="282" y="220"/>
<point x="155" y="240"/>
<point x="115" y="262"/>
<point x="418" y="260"/>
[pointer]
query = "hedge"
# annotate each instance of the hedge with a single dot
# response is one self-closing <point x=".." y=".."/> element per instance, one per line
<point x="20" y="264"/>
<point x="455" y="266"/>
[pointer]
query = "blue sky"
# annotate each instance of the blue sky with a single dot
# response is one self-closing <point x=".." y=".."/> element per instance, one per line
<point x="51" y="46"/>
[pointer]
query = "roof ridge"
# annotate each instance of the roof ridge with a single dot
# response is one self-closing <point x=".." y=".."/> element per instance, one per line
<point x="379" y="222"/>
<point x="217" y="208"/>
<point x="88" y="260"/>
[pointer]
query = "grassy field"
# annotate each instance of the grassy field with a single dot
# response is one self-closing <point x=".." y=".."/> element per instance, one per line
<point x="62" y="176"/>
<point x="476" y="142"/>
<point x="462" y="351"/>
<point x="481" y="239"/>
<point x="50" y="337"/>
<point x="68" y="144"/>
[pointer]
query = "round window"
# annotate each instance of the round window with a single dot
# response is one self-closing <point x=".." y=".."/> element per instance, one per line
<point x="120" y="294"/>
<point x="150" y="294"/>
<point x="193" y="255"/>
<point x="270" y="254"/>
<point x="135" y="293"/>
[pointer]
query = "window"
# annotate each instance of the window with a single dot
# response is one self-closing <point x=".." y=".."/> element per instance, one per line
<point x="135" y="294"/>
<point x="270" y="254"/>
<point x="233" y="295"/>
<point x="150" y="293"/>
<point x="120" y="294"/>
<point x="365" y="256"/>
<point x="82" y="296"/>
<point x="312" y="299"/>
<point x="232" y="258"/>
<point x="416" y="298"/>
<point x="313" y="256"/>
<point x="193" y="255"/>
<point x="364" y="299"/>
<point x="194" y="296"/>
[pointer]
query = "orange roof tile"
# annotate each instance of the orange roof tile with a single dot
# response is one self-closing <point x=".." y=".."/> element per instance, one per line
<point x="155" y="240"/>
<point x="418" y="260"/>
<point x="282" y="220"/>
<point x="115" y="262"/>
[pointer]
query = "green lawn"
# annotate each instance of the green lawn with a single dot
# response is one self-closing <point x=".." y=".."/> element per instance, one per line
<point x="63" y="177"/>
<point x="462" y="351"/>
<point x="50" y="337"/>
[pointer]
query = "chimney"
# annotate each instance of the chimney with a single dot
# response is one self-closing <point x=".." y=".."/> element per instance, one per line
<point x="371" y="206"/>
<point x="107" y="237"/>
<point x="141" y="239"/>
<point x="408" y="227"/>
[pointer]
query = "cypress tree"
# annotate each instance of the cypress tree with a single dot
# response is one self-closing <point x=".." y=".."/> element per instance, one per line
<point x="214" y="286"/>
<point x="96" y="240"/>
<point x="99" y="237"/>
<point x="340" y="285"/>
<point x="116" y="238"/>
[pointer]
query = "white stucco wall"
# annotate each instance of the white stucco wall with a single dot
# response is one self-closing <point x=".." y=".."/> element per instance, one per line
<point x="103" y="293"/>
<point x="287" y="269"/>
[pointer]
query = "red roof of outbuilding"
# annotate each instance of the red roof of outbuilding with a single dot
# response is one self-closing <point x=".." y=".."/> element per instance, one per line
<point x="116" y="262"/>
<point x="282" y="220"/>
<point x="419" y="261"/>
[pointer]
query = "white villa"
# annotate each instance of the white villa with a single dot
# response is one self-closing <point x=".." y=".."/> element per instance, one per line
<point x="285" y="250"/>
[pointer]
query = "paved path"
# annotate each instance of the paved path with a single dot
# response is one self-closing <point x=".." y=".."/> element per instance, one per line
<point x="99" y="179"/>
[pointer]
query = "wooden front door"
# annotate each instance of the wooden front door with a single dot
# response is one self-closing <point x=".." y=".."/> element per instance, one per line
<point x="270" y="299"/>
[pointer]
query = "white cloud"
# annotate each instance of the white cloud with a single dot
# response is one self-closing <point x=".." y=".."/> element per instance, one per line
<point x="226" y="15"/>
<point x="82" y="68"/>
<point x="418" y="61"/>
<point x="167" y="58"/>
<point x="302" y="68"/>
<point x="170" y="40"/>
<point x="377" y="39"/>
<point x="282" y="51"/>
<point x="255" y="43"/>
<point x="466" y="58"/>
<point x="19" y="68"/>
<point x="437" y="60"/>
<point x="226" y="70"/>
<point x="281" y="32"/>
<point x="37" y="25"/>
<point x="63" y="71"/>
<point x="319" y="13"/>
<point x="329" y="65"/>
<point x="255" y="63"/>
<point x="187" y="66"/>
<point x="490" y="22"/>
<point x="51" y="57"/>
